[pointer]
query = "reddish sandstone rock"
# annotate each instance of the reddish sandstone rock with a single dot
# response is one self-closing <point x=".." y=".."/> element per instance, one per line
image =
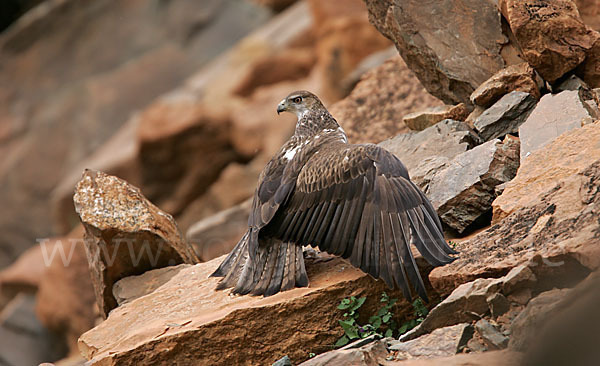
<point x="420" y="120"/>
<point x="125" y="234"/>
<point x="520" y="77"/>
<point x="374" y="109"/>
<point x="547" y="213"/>
<point x="551" y="34"/>
<point x="452" y="46"/>
<point x="185" y="321"/>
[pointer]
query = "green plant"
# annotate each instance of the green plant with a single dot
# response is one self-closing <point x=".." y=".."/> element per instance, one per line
<point x="380" y="323"/>
<point x="420" y="311"/>
<point x="452" y="244"/>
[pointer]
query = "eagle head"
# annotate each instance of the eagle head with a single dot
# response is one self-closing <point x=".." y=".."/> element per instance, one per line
<point x="299" y="102"/>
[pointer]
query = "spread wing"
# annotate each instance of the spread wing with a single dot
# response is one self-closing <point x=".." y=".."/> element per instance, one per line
<point x="357" y="201"/>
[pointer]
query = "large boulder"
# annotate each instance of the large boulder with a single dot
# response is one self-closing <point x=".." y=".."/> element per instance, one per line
<point x="374" y="109"/>
<point x="463" y="189"/>
<point x="424" y="152"/>
<point x="70" y="91"/>
<point x="125" y="234"/>
<point x="541" y="29"/>
<point x="187" y="321"/>
<point x="452" y="46"/>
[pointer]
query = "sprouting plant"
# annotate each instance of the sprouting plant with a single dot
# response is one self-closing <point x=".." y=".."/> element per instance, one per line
<point x="420" y="311"/>
<point x="380" y="323"/>
<point x="452" y="244"/>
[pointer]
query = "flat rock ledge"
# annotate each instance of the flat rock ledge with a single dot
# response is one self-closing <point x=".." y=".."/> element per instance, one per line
<point x="186" y="321"/>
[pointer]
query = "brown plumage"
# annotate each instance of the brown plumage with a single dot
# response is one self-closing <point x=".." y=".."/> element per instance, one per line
<point x="354" y="201"/>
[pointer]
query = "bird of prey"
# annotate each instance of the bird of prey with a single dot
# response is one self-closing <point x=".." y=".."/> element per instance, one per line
<point x="353" y="201"/>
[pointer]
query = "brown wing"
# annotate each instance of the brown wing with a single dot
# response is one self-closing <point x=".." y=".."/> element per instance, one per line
<point x="357" y="201"/>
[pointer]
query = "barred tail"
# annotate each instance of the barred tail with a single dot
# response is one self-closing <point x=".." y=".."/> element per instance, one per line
<point x="276" y="267"/>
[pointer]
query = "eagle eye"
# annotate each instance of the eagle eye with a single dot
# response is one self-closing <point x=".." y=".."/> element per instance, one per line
<point x="297" y="100"/>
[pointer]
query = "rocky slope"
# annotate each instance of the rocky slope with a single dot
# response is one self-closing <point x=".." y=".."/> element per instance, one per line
<point x="181" y="113"/>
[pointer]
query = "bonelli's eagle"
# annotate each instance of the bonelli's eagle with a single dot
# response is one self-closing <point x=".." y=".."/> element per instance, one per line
<point x="354" y="201"/>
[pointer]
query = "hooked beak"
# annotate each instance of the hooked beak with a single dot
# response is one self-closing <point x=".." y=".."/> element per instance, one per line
<point x="281" y="107"/>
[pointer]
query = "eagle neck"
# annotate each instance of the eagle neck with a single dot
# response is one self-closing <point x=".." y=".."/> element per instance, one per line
<point x="312" y="123"/>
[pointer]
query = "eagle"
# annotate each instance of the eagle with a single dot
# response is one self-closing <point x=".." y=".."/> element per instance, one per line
<point x="355" y="201"/>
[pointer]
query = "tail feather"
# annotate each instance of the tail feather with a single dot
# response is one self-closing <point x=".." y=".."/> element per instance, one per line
<point x="277" y="266"/>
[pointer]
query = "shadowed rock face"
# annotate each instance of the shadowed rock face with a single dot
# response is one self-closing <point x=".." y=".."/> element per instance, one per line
<point x="125" y="234"/>
<point x="452" y="46"/>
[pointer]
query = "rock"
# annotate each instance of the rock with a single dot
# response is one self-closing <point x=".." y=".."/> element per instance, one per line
<point x="505" y="116"/>
<point x="571" y="83"/>
<point x="290" y="64"/>
<point x="569" y="155"/>
<point x="25" y="341"/>
<point x="519" y="278"/>
<point x="464" y="189"/>
<point x="182" y="149"/>
<point x="276" y="5"/>
<point x="529" y="323"/>
<point x="539" y="219"/>
<point x="519" y="77"/>
<point x="373" y="354"/>
<point x="284" y="361"/>
<point x="204" y="325"/>
<point x="115" y="213"/>
<point x="493" y="358"/>
<point x="117" y="156"/>
<point x="130" y="288"/>
<point x="25" y="274"/>
<point x="470" y="301"/>
<point x="590" y="68"/>
<point x="424" y="152"/>
<point x="65" y="298"/>
<point x="553" y="115"/>
<point x="451" y="46"/>
<point x="441" y="342"/>
<point x="498" y="304"/>
<point x="93" y="80"/>
<point x="589" y="11"/>
<point x="491" y="336"/>
<point x="344" y="38"/>
<point x="235" y="184"/>
<point x="370" y="62"/>
<point x="218" y="234"/>
<point x="576" y="324"/>
<point x="541" y="28"/>
<point x="374" y="109"/>
<point x="418" y="121"/>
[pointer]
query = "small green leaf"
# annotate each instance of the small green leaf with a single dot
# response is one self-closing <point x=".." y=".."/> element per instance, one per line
<point x="345" y="304"/>
<point x="342" y="341"/>
<point x="349" y="328"/>
<point x="358" y="303"/>
<point x="382" y="311"/>
<point x="311" y="354"/>
<point x="403" y="329"/>
<point x="377" y="323"/>
<point x="386" y="318"/>
<point x="389" y="333"/>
